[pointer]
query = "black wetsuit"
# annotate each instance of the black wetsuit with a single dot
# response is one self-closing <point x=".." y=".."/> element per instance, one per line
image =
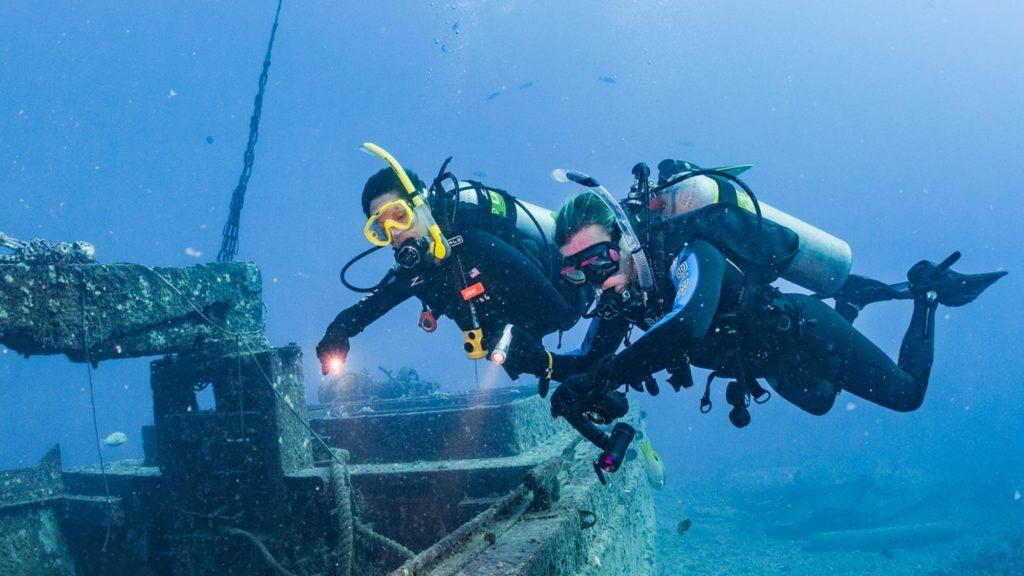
<point x="715" y="319"/>
<point x="513" y="272"/>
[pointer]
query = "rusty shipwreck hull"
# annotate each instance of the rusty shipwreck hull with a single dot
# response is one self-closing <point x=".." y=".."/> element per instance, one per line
<point x="262" y="484"/>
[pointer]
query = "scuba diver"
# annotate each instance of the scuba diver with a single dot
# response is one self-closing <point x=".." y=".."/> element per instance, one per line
<point x="467" y="251"/>
<point x="695" y="276"/>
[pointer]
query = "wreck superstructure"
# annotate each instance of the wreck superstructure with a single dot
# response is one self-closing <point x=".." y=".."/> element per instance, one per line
<point x="478" y="483"/>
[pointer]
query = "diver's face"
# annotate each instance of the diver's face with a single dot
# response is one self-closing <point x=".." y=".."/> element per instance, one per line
<point x="418" y="230"/>
<point x="588" y="236"/>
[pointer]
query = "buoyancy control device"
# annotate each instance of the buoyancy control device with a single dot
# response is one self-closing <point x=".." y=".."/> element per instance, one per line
<point x="822" y="262"/>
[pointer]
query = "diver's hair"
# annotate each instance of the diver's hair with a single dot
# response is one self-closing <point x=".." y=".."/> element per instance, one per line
<point x="385" y="181"/>
<point x="583" y="210"/>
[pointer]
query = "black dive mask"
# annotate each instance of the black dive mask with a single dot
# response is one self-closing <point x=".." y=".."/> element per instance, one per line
<point x="592" y="265"/>
<point x="412" y="253"/>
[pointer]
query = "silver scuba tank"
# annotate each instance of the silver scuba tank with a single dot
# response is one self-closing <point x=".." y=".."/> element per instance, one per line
<point x="822" y="262"/>
<point x="535" y="221"/>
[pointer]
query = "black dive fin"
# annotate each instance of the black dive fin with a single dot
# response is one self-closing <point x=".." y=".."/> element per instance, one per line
<point x="952" y="288"/>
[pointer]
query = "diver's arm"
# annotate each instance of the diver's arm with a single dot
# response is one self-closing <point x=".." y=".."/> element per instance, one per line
<point x="603" y="338"/>
<point x="697" y="276"/>
<point x="356" y="318"/>
<point x="333" y="347"/>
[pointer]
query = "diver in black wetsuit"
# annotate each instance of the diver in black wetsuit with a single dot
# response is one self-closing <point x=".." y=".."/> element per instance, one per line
<point x="712" y="308"/>
<point x="494" y="275"/>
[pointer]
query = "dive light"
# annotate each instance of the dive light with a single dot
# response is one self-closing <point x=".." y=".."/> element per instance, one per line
<point x="500" y="352"/>
<point x="615" y="452"/>
<point x="439" y="246"/>
<point x="335" y="365"/>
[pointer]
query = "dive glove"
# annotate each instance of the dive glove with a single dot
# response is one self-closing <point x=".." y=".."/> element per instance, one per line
<point x="332" y="349"/>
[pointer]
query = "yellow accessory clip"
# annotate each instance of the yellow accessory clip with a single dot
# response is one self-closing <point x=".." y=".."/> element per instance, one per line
<point x="439" y="246"/>
<point x="474" y="344"/>
<point x="394" y="215"/>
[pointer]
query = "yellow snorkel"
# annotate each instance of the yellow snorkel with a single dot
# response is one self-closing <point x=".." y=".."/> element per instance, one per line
<point x="439" y="246"/>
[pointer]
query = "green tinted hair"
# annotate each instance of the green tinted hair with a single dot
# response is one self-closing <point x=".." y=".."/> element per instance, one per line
<point x="583" y="210"/>
<point x="385" y="181"/>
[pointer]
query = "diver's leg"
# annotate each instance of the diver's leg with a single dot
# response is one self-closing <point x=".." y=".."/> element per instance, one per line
<point x="856" y="364"/>
<point x="805" y="390"/>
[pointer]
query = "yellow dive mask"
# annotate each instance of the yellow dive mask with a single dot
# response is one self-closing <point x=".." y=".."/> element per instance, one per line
<point x="394" y="215"/>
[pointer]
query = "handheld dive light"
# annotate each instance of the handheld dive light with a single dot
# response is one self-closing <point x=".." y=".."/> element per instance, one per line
<point x="439" y="246"/>
<point x="500" y="352"/>
<point x="615" y="453"/>
<point x="335" y="365"/>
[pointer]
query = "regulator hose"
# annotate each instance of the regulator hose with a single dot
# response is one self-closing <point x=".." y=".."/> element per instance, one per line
<point x="357" y="258"/>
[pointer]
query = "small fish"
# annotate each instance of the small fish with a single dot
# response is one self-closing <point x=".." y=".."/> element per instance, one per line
<point x="455" y="26"/>
<point x="116" y="439"/>
<point x="608" y="79"/>
<point x="209" y="139"/>
<point x="479" y="174"/>
<point x="526" y="85"/>
<point x="684" y="526"/>
<point x="1016" y="494"/>
<point x="493" y="95"/>
<point x="652" y="464"/>
<point x="888" y="554"/>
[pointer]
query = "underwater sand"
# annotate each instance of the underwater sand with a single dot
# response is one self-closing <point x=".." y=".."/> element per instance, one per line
<point x="742" y="527"/>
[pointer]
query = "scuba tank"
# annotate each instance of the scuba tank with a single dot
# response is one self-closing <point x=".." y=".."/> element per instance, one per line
<point x="822" y="262"/>
<point x="530" y="220"/>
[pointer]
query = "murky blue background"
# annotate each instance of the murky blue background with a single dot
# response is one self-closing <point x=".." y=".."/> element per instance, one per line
<point x="895" y="126"/>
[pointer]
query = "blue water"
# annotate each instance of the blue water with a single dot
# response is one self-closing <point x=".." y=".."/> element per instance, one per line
<point x="894" y="126"/>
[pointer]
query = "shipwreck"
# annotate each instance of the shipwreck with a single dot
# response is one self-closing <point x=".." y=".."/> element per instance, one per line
<point x="264" y="483"/>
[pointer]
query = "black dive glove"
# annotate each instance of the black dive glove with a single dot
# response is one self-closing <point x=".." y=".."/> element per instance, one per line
<point x="581" y="392"/>
<point x="333" y="349"/>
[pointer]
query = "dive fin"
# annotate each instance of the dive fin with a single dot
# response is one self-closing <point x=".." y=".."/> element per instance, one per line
<point x="952" y="288"/>
<point x="735" y="170"/>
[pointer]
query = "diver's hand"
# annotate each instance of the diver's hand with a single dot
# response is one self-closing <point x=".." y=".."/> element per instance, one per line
<point x="526" y="355"/>
<point x="333" y="350"/>
<point x="580" y="392"/>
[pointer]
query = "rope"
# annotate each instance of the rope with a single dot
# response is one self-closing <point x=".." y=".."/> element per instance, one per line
<point x="382" y="541"/>
<point x="95" y="423"/>
<point x="343" y="499"/>
<point x="229" y="243"/>
<point x="261" y="547"/>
